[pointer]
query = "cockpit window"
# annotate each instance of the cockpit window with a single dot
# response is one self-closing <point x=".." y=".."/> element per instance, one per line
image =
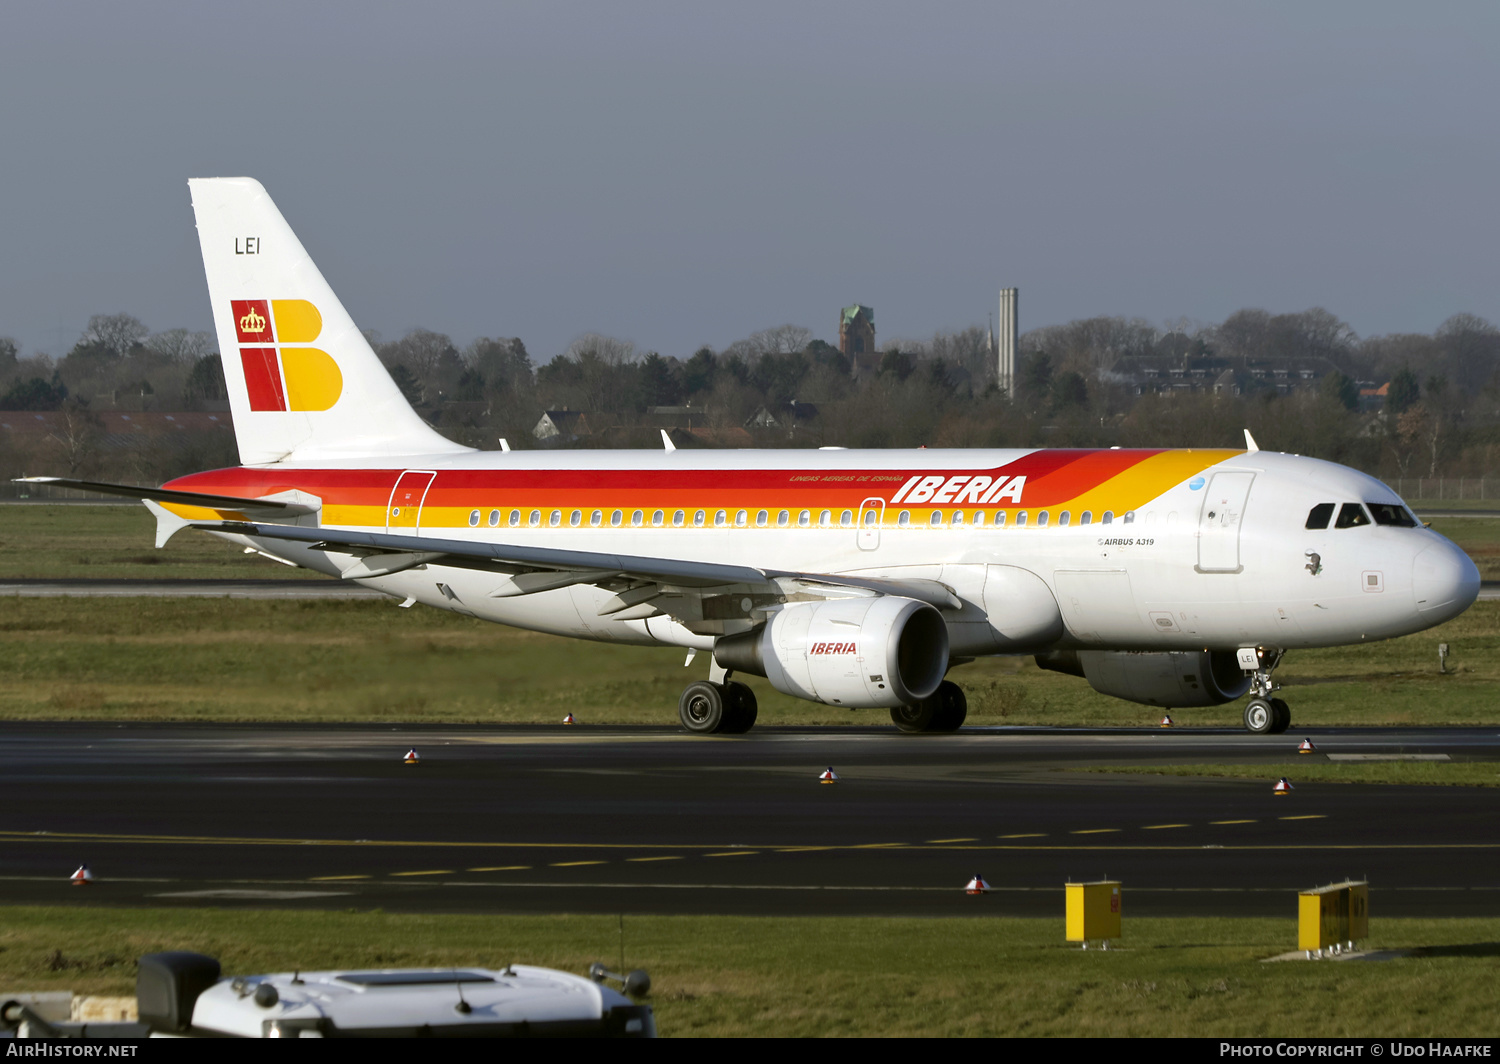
<point x="1390" y="513"/>
<point x="1351" y="515"/>
<point x="1320" y="515"/>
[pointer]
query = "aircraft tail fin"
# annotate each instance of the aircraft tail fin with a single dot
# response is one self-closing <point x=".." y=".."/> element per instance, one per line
<point x="303" y="383"/>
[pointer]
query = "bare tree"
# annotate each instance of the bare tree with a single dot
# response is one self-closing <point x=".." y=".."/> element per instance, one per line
<point x="180" y="346"/>
<point x="116" y="332"/>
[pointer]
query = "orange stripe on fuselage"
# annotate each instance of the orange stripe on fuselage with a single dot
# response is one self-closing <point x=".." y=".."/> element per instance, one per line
<point x="1097" y="480"/>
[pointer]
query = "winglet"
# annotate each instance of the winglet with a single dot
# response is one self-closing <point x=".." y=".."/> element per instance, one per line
<point x="666" y="441"/>
<point x="1250" y="445"/>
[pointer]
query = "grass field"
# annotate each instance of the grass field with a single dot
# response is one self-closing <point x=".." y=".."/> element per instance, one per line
<point x="1312" y="769"/>
<point x="743" y="976"/>
<point x="217" y="659"/>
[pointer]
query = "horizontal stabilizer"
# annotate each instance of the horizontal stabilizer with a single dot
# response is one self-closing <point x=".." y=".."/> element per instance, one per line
<point x="268" y="508"/>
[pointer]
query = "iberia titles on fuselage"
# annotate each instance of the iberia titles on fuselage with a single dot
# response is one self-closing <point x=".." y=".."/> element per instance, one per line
<point x="858" y="578"/>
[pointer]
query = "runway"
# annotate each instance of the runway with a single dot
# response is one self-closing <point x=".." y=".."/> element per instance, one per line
<point x="645" y="819"/>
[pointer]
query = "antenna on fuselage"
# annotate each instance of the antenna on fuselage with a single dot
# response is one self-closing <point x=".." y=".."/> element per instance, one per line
<point x="1250" y="445"/>
<point x="666" y="441"/>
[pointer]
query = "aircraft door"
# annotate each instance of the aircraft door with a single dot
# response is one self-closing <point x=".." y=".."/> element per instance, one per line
<point x="1219" y="522"/>
<point x="871" y="516"/>
<point x="404" y="512"/>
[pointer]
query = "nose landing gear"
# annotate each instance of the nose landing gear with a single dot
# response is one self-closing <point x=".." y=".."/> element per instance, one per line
<point x="1264" y="714"/>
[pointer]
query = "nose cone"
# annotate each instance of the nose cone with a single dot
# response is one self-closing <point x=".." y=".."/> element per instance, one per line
<point x="1445" y="582"/>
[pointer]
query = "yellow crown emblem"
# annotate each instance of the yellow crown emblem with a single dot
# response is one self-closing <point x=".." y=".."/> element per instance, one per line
<point x="253" y="322"/>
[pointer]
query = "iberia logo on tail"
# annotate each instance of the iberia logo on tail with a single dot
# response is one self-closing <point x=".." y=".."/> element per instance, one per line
<point x="283" y="377"/>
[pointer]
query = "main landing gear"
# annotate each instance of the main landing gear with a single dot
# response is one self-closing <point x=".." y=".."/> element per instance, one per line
<point x="943" y="711"/>
<point x="1264" y="714"/>
<point x="708" y="708"/>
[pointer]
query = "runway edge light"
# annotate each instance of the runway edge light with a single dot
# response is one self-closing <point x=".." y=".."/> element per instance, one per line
<point x="1282" y="787"/>
<point x="81" y="878"/>
<point x="1166" y="720"/>
<point x="411" y="757"/>
<point x="977" y="885"/>
<point x="569" y="719"/>
<point x="1307" y="747"/>
<point x="828" y="775"/>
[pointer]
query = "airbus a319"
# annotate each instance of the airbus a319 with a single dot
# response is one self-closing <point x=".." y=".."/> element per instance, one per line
<point x="856" y="578"/>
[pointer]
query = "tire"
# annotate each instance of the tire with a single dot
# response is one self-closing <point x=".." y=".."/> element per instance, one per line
<point x="741" y="708"/>
<point x="952" y="708"/>
<point x="1260" y="717"/>
<point x="701" y="709"/>
<point x="1283" y="716"/>
<point x="915" y="718"/>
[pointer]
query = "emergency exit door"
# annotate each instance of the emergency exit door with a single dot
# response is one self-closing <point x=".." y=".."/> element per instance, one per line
<point x="405" y="508"/>
<point x="1219" y="522"/>
<point x="871" y="516"/>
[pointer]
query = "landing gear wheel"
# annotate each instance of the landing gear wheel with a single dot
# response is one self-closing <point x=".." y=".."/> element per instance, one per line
<point x="1282" y="716"/>
<point x="1260" y="717"/>
<point x="702" y="708"/>
<point x="952" y="708"/>
<point x="741" y="708"/>
<point x="916" y="718"/>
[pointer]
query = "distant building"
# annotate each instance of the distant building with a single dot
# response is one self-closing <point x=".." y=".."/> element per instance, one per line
<point x="857" y="330"/>
<point x="562" y="426"/>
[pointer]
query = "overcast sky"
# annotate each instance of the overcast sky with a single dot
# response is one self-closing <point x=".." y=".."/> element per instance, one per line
<point x="686" y="173"/>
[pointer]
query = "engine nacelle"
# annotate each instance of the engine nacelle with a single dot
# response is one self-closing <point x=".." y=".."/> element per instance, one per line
<point x="1172" y="679"/>
<point x="864" y="652"/>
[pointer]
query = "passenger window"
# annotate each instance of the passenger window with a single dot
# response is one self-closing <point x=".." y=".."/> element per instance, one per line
<point x="697" y="518"/>
<point x="1020" y="518"/>
<point x="958" y="517"/>
<point x="782" y="519"/>
<point x="760" y="518"/>
<point x="473" y="518"/>
<point x="515" y="518"/>
<point x="937" y="518"/>
<point x="1130" y="517"/>
<point x="678" y="517"/>
<point x="575" y="518"/>
<point x="638" y="518"/>
<point x="1319" y="515"/>
<point x="596" y="518"/>
<point x="536" y="518"/>
<point x="999" y="518"/>
<point x="1064" y="517"/>
<point x="615" y="519"/>
<point x="1108" y="518"/>
<point x="804" y="519"/>
<point x="903" y="518"/>
<point x="847" y="518"/>
<point x="656" y="517"/>
<point x="1086" y="518"/>
<point x="1390" y="513"/>
<point x="720" y="518"/>
<point x="494" y="518"/>
<point x="979" y="517"/>
<point x="741" y="518"/>
<point x="1351" y="515"/>
<point x="1041" y="519"/>
<point x="825" y="518"/>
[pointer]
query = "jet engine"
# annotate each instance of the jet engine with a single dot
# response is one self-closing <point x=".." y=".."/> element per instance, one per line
<point x="1172" y="679"/>
<point x="864" y="652"/>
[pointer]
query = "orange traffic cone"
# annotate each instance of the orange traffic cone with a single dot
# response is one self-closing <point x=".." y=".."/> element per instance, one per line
<point x="828" y="776"/>
<point x="1306" y="747"/>
<point x="977" y="885"/>
<point x="1282" y="787"/>
<point x="81" y="878"/>
<point x="411" y="757"/>
<point x="569" y="719"/>
<point x="1166" y="721"/>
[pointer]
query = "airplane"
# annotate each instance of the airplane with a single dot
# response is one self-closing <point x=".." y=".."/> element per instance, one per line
<point x="857" y="578"/>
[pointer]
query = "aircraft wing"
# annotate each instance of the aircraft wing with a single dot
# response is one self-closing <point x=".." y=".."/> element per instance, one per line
<point x="531" y="569"/>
